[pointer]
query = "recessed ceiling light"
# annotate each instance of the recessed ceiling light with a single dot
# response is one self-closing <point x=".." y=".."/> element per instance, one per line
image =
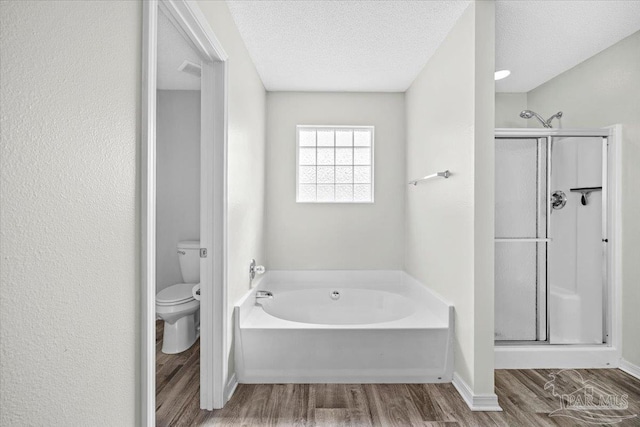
<point x="502" y="74"/>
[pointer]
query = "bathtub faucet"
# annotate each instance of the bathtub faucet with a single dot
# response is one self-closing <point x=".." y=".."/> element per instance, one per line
<point x="264" y="294"/>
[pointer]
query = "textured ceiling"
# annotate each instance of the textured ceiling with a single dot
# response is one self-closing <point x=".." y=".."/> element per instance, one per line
<point x="537" y="40"/>
<point x="173" y="49"/>
<point x="342" y="45"/>
<point x="382" y="45"/>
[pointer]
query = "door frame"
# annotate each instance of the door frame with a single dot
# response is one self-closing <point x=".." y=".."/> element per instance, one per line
<point x="189" y="20"/>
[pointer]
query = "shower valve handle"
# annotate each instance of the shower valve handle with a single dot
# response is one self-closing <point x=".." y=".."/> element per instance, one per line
<point x="558" y="199"/>
<point x="255" y="269"/>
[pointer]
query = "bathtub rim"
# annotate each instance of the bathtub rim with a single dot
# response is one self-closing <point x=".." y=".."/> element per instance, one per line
<point x="435" y="305"/>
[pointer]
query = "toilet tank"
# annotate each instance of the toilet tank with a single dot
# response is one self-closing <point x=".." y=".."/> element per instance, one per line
<point x="189" y="257"/>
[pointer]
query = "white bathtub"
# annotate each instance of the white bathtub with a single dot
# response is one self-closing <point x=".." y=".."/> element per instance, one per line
<point x="380" y="327"/>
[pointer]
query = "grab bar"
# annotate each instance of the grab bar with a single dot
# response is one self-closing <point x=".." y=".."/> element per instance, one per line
<point x="445" y="174"/>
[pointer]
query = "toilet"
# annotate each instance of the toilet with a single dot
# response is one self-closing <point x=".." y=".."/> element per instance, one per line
<point x="176" y="304"/>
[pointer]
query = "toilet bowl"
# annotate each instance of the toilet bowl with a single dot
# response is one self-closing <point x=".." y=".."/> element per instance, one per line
<point x="177" y="307"/>
<point x="176" y="304"/>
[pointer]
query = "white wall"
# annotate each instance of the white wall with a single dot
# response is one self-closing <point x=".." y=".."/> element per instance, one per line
<point x="69" y="299"/>
<point x="449" y="223"/>
<point x="602" y="91"/>
<point x="246" y="163"/>
<point x="508" y="108"/>
<point x="306" y="236"/>
<point x="178" y="179"/>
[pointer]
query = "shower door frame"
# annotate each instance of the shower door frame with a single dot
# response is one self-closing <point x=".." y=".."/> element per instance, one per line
<point x="609" y="275"/>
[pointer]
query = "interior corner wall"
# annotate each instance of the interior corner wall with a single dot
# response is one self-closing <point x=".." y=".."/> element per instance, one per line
<point x="246" y="99"/>
<point x="335" y="236"/>
<point x="507" y="109"/>
<point x="70" y="280"/>
<point x="601" y="91"/>
<point x="443" y="218"/>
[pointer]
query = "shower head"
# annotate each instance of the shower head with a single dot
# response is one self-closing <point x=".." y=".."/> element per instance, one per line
<point x="558" y="115"/>
<point x="527" y="114"/>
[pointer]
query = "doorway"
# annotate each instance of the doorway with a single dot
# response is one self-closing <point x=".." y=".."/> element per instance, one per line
<point x="183" y="187"/>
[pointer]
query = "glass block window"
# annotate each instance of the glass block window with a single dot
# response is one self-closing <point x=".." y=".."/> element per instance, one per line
<point x="335" y="164"/>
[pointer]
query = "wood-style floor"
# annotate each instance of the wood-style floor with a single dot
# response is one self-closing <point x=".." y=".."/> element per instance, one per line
<point x="521" y="394"/>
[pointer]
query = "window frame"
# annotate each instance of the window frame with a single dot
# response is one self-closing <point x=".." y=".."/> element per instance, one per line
<point x="370" y="128"/>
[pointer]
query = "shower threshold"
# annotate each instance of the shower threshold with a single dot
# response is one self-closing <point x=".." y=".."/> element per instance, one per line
<point x="506" y="343"/>
<point x="542" y="355"/>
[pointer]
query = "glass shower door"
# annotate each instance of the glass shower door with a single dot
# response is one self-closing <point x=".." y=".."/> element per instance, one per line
<point x="521" y="244"/>
<point x="577" y="263"/>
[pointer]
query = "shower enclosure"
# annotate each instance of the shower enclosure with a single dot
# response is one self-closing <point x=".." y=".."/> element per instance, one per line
<point x="551" y="236"/>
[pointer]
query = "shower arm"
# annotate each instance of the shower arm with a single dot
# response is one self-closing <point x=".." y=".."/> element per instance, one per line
<point x="545" y="123"/>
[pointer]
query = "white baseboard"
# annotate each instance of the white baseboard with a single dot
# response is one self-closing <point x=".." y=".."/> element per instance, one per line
<point x="230" y="388"/>
<point x="281" y="377"/>
<point x="476" y="402"/>
<point x="630" y="368"/>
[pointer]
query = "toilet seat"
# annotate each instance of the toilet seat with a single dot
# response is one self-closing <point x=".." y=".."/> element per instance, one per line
<point x="179" y="293"/>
